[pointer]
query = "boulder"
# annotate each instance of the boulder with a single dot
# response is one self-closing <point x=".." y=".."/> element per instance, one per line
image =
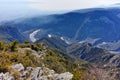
<point x="64" y="76"/>
<point x="6" y="76"/>
<point x="48" y="71"/>
<point x="25" y="74"/>
<point x="36" y="73"/>
<point x="43" y="78"/>
<point x="18" y="67"/>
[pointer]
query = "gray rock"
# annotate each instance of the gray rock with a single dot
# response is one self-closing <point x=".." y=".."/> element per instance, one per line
<point x="36" y="73"/>
<point x="18" y="67"/>
<point x="64" y="76"/>
<point x="25" y="74"/>
<point x="6" y="76"/>
<point x="48" y="71"/>
<point x="43" y="78"/>
<point x="29" y="68"/>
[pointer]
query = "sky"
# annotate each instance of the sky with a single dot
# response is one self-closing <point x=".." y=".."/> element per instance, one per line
<point x="10" y="9"/>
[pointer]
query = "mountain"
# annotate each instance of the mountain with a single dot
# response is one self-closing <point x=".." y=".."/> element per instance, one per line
<point x="30" y="61"/>
<point x="54" y="42"/>
<point x="102" y="23"/>
<point x="112" y="46"/>
<point x="93" y="54"/>
<point x="108" y="63"/>
<point x="81" y="36"/>
<point x="84" y="51"/>
<point x="8" y="34"/>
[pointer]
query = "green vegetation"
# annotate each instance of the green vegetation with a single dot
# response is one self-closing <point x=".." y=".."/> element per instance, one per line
<point x="14" y="53"/>
<point x="13" y="46"/>
<point x="1" y="45"/>
<point x="61" y="64"/>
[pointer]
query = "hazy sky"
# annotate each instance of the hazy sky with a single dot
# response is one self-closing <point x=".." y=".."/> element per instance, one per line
<point x="53" y="5"/>
<point x="10" y="9"/>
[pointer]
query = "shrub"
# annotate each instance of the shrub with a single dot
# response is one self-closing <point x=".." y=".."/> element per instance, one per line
<point x="1" y="45"/>
<point x="13" y="46"/>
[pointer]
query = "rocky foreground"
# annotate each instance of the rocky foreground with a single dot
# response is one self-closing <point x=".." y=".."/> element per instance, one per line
<point x="36" y="62"/>
<point x="26" y="64"/>
<point x="29" y="61"/>
<point x="31" y="73"/>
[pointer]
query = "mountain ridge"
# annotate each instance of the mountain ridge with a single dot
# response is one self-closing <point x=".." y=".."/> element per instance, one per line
<point x="96" y="23"/>
<point x="10" y="33"/>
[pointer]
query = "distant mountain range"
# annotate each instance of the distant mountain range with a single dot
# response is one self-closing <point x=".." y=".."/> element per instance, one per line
<point x="83" y="51"/>
<point x="89" y="34"/>
<point x="77" y="25"/>
<point x="102" y="58"/>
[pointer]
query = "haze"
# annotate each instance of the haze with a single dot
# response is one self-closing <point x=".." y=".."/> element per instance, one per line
<point x="11" y="9"/>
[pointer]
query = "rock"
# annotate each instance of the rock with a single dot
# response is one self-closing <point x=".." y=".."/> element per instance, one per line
<point x="25" y="74"/>
<point x="48" y="71"/>
<point x="46" y="74"/>
<point x="64" y="76"/>
<point x="29" y="68"/>
<point x="53" y="77"/>
<point x="6" y="76"/>
<point x="36" y="73"/>
<point x="18" y="67"/>
<point x="115" y="60"/>
<point x="43" y="78"/>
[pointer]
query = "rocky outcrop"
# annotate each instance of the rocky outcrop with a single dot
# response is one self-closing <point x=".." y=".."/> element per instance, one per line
<point x="36" y="53"/>
<point x="64" y="76"/>
<point x="6" y="76"/>
<point x="17" y="67"/>
<point x="38" y="73"/>
<point x="47" y="74"/>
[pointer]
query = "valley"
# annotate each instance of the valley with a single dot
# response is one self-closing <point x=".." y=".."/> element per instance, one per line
<point x="78" y="45"/>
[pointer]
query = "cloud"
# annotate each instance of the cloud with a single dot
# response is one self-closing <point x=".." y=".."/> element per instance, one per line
<point x="61" y="5"/>
<point x="10" y="9"/>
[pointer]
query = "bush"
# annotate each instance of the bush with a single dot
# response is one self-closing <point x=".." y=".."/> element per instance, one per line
<point x="51" y="59"/>
<point x="1" y="45"/>
<point x="13" y="46"/>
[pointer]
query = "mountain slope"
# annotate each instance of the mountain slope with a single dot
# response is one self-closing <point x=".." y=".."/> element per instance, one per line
<point x="94" y="54"/>
<point x="103" y="59"/>
<point x="83" y="51"/>
<point x="54" y="42"/>
<point x="8" y="34"/>
<point x="112" y="46"/>
<point x="77" y="25"/>
<point x="36" y="61"/>
<point x="106" y="64"/>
